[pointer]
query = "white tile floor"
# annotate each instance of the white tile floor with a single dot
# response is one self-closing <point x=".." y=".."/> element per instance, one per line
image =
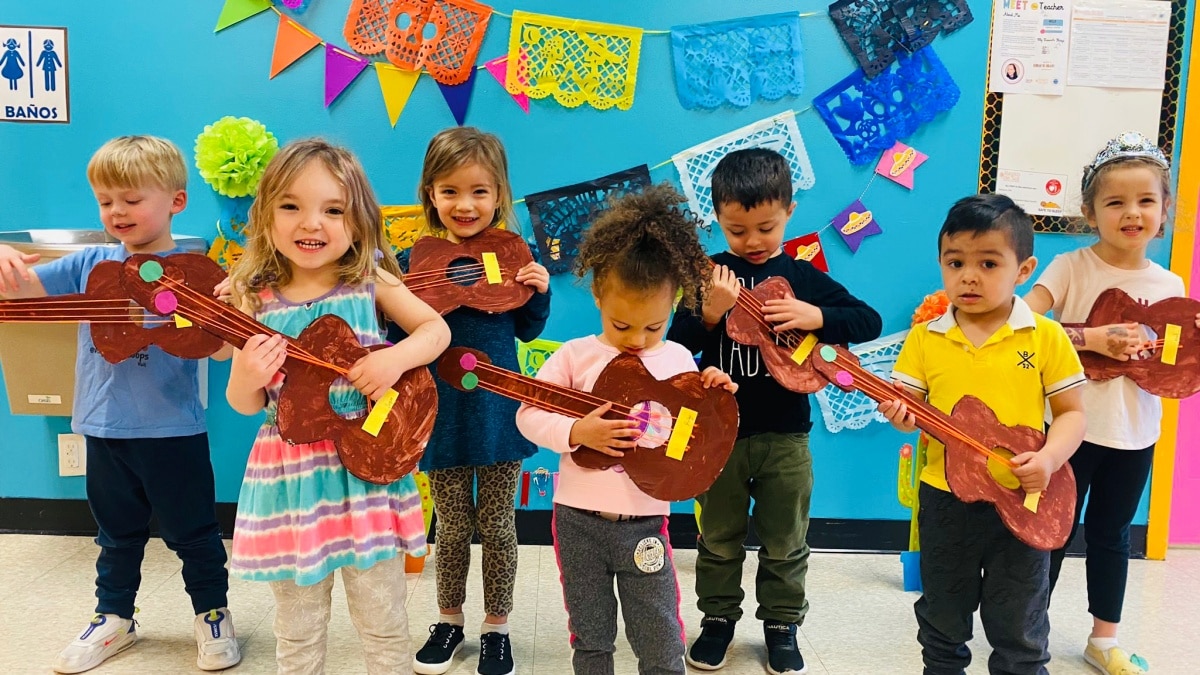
<point x="860" y="623"/>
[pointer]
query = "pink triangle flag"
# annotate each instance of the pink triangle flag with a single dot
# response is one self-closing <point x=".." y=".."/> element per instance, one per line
<point x="498" y="67"/>
<point x="341" y="67"/>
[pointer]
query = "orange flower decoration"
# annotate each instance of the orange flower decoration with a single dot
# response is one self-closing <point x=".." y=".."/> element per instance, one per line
<point x="931" y="307"/>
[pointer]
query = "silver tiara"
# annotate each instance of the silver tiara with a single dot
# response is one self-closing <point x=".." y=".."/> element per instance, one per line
<point x="1128" y="145"/>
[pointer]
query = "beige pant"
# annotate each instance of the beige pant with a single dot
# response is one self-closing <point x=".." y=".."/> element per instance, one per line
<point x="376" y="599"/>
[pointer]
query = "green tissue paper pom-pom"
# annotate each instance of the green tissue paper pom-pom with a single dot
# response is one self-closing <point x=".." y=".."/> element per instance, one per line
<point x="232" y="154"/>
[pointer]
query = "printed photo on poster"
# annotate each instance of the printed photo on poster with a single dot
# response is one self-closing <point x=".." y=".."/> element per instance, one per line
<point x="1029" y="46"/>
<point x="1040" y="194"/>
<point x="33" y="65"/>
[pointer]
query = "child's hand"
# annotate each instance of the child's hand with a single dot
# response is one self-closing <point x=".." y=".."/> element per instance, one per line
<point x="14" y="268"/>
<point x="534" y="275"/>
<point x="375" y="373"/>
<point x="896" y="412"/>
<point x="604" y="435"/>
<point x="1118" y="341"/>
<point x="713" y="377"/>
<point x="1198" y="321"/>
<point x="259" y="360"/>
<point x="1034" y="470"/>
<point x="790" y="313"/>
<point x="224" y="291"/>
<point x="722" y="296"/>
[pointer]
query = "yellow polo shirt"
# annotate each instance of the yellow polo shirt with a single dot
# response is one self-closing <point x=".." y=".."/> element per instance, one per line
<point x="1024" y="363"/>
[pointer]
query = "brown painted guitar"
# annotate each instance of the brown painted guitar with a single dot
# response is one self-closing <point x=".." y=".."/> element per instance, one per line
<point x="786" y="354"/>
<point x="324" y="351"/>
<point x="447" y="275"/>
<point x="120" y="329"/>
<point x="1155" y="374"/>
<point x="978" y="453"/>
<point x="660" y="406"/>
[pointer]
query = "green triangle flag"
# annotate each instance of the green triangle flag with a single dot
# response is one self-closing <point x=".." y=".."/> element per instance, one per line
<point x="240" y="10"/>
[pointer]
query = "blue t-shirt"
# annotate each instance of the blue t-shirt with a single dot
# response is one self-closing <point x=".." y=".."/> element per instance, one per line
<point x="149" y="395"/>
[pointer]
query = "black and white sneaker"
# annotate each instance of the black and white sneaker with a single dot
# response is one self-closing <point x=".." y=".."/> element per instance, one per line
<point x="783" y="655"/>
<point x="708" y="651"/>
<point x="495" y="655"/>
<point x="436" y="657"/>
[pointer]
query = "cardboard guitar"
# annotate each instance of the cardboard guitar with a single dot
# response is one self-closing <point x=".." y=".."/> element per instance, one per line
<point x="687" y="430"/>
<point x="479" y="273"/>
<point x="978" y="450"/>
<point x="381" y="449"/>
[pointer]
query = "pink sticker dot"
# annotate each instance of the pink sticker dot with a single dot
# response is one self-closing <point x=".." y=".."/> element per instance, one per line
<point x="165" y="302"/>
<point x="843" y="378"/>
<point x="468" y="361"/>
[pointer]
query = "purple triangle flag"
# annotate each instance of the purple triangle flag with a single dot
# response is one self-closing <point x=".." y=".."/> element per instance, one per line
<point x="341" y="67"/>
<point x="458" y="96"/>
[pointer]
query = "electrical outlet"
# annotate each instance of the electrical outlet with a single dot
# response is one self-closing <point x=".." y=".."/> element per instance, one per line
<point x="72" y="457"/>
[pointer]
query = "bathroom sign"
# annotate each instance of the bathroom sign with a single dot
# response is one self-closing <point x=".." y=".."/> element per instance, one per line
<point x="33" y="74"/>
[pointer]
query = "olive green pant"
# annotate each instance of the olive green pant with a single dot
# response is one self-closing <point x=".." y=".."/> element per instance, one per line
<point x="776" y="471"/>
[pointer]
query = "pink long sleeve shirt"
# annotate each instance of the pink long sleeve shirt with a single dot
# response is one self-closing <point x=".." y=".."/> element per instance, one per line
<point x="577" y="364"/>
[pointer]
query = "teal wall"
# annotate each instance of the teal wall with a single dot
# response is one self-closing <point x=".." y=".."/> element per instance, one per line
<point x="142" y="66"/>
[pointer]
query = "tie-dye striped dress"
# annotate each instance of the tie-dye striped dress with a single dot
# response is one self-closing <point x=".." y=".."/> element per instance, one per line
<point x="300" y="514"/>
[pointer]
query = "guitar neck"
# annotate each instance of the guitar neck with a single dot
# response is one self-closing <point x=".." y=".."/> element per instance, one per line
<point x="74" y="308"/>
<point x="545" y="395"/>
<point x="843" y="370"/>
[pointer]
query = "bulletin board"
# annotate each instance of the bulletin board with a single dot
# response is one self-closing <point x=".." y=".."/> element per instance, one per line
<point x="1016" y="129"/>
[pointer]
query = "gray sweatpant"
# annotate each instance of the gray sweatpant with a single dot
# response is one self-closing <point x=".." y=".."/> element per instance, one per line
<point x="592" y="552"/>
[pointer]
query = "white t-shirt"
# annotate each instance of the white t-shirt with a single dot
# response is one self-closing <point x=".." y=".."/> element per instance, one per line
<point x="1119" y="414"/>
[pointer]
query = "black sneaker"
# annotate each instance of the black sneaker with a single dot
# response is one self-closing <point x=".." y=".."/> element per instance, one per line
<point x="783" y="656"/>
<point x="708" y="651"/>
<point x="495" y="655"/>
<point x="445" y="640"/>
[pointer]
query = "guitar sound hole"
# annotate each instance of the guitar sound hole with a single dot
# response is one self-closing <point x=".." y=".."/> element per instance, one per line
<point x="464" y="271"/>
<point x="654" y="423"/>
<point x="1000" y="472"/>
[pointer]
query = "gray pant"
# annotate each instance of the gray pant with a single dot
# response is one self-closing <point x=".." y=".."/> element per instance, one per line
<point x="970" y="560"/>
<point x="591" y="552"/>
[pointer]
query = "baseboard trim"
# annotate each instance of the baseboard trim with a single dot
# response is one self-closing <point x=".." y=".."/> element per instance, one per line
<point x="73" y="517"/>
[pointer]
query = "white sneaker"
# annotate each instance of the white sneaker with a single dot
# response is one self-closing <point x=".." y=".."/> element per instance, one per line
<point x="107" y="635"/>
<point x="216" y="643"/>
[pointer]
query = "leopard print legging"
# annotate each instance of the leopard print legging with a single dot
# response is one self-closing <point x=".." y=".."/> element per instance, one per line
<point x="459" y="515"/>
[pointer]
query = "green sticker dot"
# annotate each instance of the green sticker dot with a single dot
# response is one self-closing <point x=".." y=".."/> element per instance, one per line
<point x="829" y="354"/>
<point x="150" y="271"/>
<point x="470" y="381"/>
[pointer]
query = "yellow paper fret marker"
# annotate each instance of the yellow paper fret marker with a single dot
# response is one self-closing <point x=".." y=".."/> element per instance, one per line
<point x="1171" y="344"/>
<point x="1032" y="499"/>
<point x="681" y="434"/>
<point x="379" y="413"/>
<point x="491" y="268"/>
<point x="805" y="348"/>
<point x="181" y="322"/>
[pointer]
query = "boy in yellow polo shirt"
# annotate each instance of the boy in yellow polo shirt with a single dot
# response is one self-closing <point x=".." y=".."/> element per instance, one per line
<point x="989" y="345"/>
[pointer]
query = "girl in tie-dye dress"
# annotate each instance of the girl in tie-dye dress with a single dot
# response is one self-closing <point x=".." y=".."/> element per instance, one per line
<point x="314" y="230"/>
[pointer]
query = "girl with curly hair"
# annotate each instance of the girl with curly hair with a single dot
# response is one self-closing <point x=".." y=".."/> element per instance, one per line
<point x="641" y="254"/>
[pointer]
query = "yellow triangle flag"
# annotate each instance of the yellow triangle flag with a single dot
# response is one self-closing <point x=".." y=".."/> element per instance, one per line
<point x="291" y="42"/>
<point x="396" y="85"/>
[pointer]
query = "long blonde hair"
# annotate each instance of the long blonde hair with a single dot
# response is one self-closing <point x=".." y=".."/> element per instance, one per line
<point x="263" y="266"/>
<point x="457" y="147"/>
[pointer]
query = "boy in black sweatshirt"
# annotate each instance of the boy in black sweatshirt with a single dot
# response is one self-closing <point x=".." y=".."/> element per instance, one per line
<point x="771" y="463"/>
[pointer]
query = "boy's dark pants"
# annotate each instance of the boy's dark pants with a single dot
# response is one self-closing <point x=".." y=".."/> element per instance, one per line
<point x="127" y="479"/>
<point x="776" y="470"/>
<point x="969" y="560"/>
